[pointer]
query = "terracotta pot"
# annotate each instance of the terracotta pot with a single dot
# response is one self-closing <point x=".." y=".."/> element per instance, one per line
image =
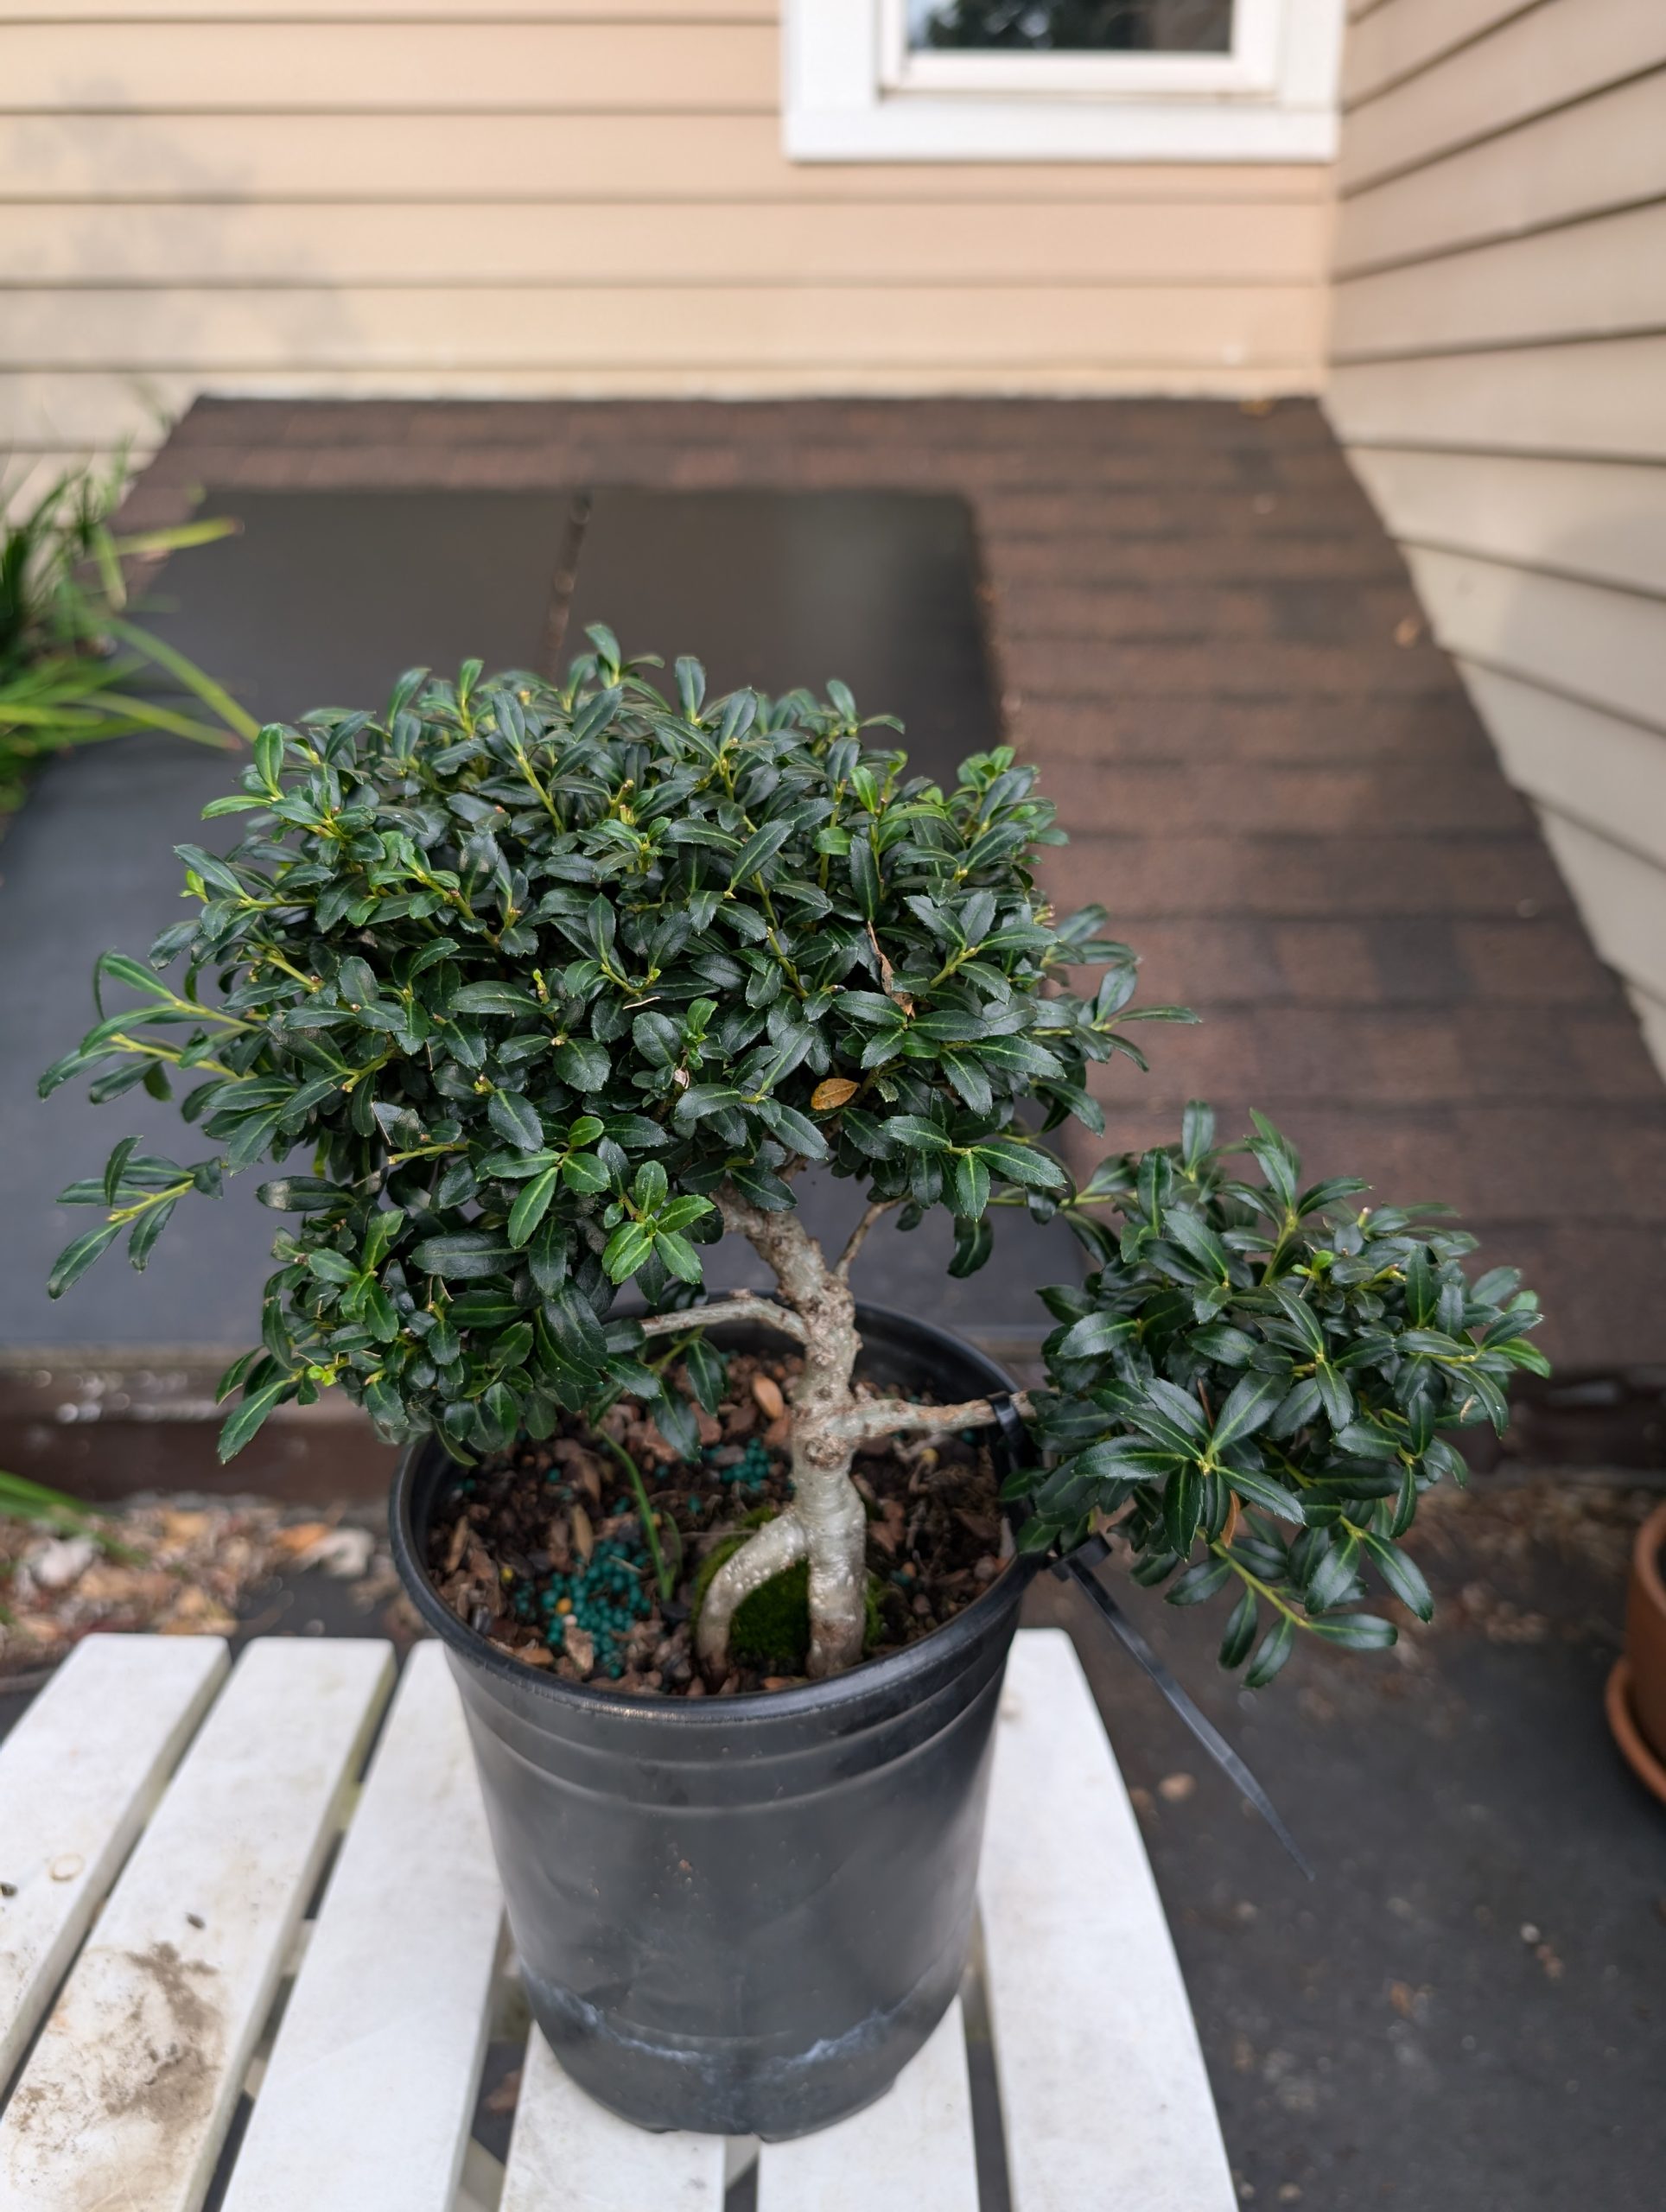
<point x="1637" y="1688"/>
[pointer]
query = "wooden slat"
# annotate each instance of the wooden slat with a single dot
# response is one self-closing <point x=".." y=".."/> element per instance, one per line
<point x="1023" y="242"/>
<point x="1404" y="35"/>
<point x="570" y="2154"/>
<point x="1602" y="154"/>
<point x="355" y="68"/>
<point x="708" y="327"/>
<point x="579" y="157"/>
<point x="1103" y="2085"/>
<point x="1603" y="772"/>
<point x="1541" y="60"/>
<point x="1594" y="279"/>
<point x="79" y="1774"/>
<point x="366" y="2103"/>
<point x="1605" y="397"/>
<point x="1605" y="646"/>
<point x="127" y="2095"/>
<point x="1604" y="520"/>
<point x="911" y="2151"/>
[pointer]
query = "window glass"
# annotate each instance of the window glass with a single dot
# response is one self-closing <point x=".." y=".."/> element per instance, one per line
<point x="1070" y="26"/>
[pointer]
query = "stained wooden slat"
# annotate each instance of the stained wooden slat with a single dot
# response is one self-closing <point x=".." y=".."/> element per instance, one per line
<point x="365" y="2105"/>
<point x="911" y="2151"/>
<point x="128" y="2093"/>
<point x="568" y="2154"/>
<point x="1103" y="2087"/>
<point x="79" y="1775"/>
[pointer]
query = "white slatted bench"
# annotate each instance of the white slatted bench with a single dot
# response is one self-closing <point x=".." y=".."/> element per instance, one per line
<point x="165" y="1825"/>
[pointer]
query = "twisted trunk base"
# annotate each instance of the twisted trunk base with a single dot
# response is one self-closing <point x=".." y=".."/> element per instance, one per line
<point x="826" y="1522"/>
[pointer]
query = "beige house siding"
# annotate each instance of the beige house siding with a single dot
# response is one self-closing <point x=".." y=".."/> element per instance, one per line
<point x="567" y="196"/>
<point x="1499" y="375"/>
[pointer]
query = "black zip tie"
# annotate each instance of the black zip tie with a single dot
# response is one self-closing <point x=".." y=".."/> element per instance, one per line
<point x="1077" y="1568"/>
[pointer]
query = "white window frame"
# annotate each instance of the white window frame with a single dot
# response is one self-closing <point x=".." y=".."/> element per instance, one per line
<point x="853" y="92"/>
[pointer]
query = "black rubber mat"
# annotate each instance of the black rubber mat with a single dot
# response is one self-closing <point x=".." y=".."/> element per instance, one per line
<point x="327" y="596"/>
<point x="323" y="600"/>
<point x="784" y="589"/>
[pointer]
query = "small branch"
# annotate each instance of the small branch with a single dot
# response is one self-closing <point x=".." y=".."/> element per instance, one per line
<point x="742" y="1305"/>
<point x="876" y="1417"/>
<point x="859" y="1236"/>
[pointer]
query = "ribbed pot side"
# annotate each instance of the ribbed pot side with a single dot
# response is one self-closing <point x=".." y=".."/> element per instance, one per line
<point x="741" y="1916"/>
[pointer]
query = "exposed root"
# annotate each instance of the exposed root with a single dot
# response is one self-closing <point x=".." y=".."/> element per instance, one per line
<point x="777" y="1545"/>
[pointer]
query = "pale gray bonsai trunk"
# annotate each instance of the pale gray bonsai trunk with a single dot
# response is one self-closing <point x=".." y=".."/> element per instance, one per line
<point x="826" y="1522"/>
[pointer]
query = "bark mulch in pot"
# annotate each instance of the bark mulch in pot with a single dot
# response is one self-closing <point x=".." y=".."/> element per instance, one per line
<point x="542" y="1549"/>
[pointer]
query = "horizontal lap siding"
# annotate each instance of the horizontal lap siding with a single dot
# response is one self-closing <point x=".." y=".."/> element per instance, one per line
<point x="567" y="199"/>
<point x="1499" y="373"/>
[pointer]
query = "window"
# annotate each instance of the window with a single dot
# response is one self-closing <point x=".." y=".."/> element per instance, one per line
<point x="1061" y="79"/>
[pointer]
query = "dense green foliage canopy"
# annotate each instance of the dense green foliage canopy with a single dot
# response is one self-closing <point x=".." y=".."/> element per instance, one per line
<point x="523" y="973"/>
<point x="1264" y="1368"/>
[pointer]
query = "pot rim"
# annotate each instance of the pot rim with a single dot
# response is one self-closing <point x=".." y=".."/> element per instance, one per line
<point x="877" y="1675"/>
<point x="1649" y="1558"/>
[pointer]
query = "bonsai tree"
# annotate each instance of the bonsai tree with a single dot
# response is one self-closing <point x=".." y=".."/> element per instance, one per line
<point x="555" y="985"/>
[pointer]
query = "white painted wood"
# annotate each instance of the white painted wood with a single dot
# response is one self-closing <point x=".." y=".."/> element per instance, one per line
<point x="1539" y="59"/>
<point x="1604" y="772"/>
<point x="1250" y="62"/>
<point x="1604" y="521"/>
<point x="1595" y="278"/>
<point x="126" y="2097"/>
<point x="911" y="2151"/>
<point x="366" y="2103"/>
<point x="1609" y="152"/>
<point x="1102" y="2085"/>
<point x="78" y="1776"/>
<point x="1274" y="99"/>
<point x="570" y="2154"/>
<point x="1606" y="648"/>
<point x="1606" y="397"/>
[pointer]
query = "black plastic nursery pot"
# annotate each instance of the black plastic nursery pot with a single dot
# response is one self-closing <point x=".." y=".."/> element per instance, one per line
<point x="745" y="1915"/>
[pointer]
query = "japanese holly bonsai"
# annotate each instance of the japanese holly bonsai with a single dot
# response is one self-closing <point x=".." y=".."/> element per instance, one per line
<point x="554" y="985"/>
